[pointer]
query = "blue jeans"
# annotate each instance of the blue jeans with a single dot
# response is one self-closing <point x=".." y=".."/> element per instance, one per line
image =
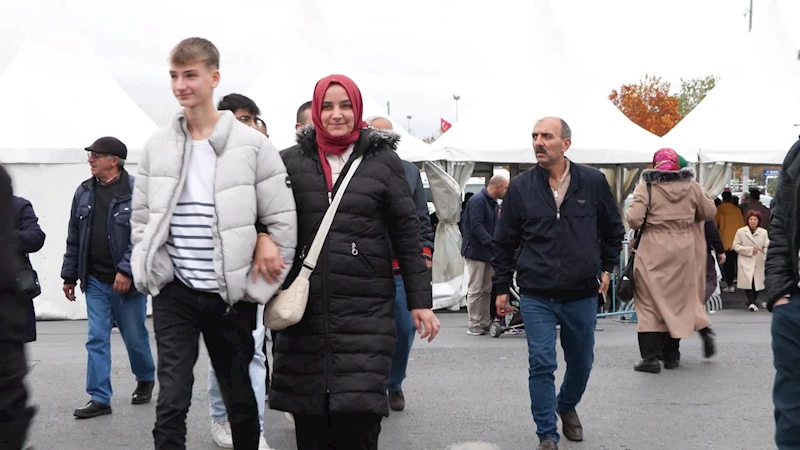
<point x="258" y="377"/>
<point x="578" y="320"/>
<point x="786" y="354"/>
<point x="405" y="336"/>
<point x="104" y="306"/>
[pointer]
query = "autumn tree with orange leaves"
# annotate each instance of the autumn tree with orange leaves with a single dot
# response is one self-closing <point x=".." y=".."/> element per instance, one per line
<point x="648" y="104"/>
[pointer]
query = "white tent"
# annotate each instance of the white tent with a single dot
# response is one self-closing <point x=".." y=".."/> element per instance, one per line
<point x="751" y="116"/>
<point x="42" y="143"/>
<point x="295" y="62"/>
<point x="549" y="82"/>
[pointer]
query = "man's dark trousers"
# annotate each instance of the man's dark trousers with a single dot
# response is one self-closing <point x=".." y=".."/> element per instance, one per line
<point x="786" y="392"/>
<point x="180" y="314"/>
<point x="15" y="415"/>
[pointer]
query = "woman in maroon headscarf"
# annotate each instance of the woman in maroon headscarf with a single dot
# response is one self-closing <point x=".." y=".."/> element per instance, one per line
<point x="332" y="368"/>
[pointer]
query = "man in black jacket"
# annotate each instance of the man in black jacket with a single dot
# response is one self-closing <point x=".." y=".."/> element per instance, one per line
<point x="98" y="254"/>
<point x="565" y="219"/>
<point x="15" y="414"/>
<point x="478" y="225"/>
<point x="402" y="316"/>
<point x="783" y="299"/>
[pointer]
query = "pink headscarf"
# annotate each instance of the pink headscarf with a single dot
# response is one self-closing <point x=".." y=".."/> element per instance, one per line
<point x="666" y="159"/>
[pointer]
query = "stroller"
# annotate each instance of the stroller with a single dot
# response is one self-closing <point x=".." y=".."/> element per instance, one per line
<point x="512" y="321"/>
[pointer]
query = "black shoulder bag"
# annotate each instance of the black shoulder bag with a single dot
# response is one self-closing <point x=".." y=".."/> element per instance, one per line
<point x="28" y="280"/>
<point x="625" y="279"/>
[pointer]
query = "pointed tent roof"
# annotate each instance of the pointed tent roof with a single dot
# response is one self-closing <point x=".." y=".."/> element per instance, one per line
<point x="295" y="62"/>
<point x="79" y="101"/>
<point x="752" y="113"/>
<point x="499" y="129"/>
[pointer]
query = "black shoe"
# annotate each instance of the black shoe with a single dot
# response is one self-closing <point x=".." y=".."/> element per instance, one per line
<point x="92" y="409"/>
<point x="648" y="365"/>
<point x="672" y="364"/>
<point x="397" y="401"/>
<point x="143" y="393"/>
<point x="709" y="342"/>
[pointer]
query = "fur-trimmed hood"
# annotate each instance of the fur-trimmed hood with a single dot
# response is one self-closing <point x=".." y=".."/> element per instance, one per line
<point x="371" y="142"/>
<point x="674" y="184"/>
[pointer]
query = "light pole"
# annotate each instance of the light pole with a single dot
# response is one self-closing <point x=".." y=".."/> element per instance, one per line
<point x="749" y="14"/>
<point x="409" y="123"/>
<point x="456" y="98"/>
<point x="388" y="108"/>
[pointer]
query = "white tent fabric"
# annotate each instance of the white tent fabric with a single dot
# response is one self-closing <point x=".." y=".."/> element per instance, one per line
<point x="499" y="129"/>
<point x="42" y="144"/>
<point x="292" y="71"/>
<point x="750" y="117"/>
<point x="447" y="181"/>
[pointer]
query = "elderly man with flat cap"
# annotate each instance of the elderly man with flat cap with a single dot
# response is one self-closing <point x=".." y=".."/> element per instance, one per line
<point x="98" y="255"/>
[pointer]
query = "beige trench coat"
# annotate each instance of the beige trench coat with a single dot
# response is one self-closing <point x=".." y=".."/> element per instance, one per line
<point x="670" y="264"/>
<point x="751" y="267"/>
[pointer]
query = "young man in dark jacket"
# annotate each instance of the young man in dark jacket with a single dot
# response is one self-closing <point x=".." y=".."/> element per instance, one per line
<point x="98" y="254"/>
<point x="783" y="299"/>
<point x="478" y="225"/>
<point x="15" y="414"/>
<point x="402" y="316"/>
<point x="565" y="218"/>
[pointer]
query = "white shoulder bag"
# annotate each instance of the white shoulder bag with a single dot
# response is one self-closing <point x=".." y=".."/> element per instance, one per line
<point x="287" y="308"/>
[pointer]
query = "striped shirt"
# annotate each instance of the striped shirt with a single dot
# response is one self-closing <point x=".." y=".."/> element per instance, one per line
<point x="190" y="243"/>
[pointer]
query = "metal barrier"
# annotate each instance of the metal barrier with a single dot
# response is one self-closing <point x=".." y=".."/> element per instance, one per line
<point x="626" y="310"/>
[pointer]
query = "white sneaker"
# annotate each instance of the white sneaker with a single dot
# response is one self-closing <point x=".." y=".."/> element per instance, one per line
<point x="221" y="432"/>
<point x="262" y="443"/>
<point x="753" y="308"/>
<point x="290" y="418"/>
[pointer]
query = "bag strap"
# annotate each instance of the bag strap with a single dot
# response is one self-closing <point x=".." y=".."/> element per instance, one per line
<point x="646" y="213"/>
<point x="310" y="261"/>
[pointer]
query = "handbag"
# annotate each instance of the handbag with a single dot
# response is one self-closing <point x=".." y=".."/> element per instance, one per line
<point x="27" y="283"/>
<point x="289" y="305"/>
<point x="625" y="279"/>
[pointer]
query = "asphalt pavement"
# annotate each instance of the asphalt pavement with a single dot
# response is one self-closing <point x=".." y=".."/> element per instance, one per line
<point x="464" y="393"/>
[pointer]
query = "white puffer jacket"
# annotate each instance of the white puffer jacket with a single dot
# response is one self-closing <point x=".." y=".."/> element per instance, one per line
<point x="251" y="185"/>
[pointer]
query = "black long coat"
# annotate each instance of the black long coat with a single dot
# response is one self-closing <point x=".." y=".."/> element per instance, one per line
<point x="337" y="359"/>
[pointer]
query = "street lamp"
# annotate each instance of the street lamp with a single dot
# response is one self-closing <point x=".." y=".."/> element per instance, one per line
<point x="456" y="98"/>
<point x="409" y="123"/>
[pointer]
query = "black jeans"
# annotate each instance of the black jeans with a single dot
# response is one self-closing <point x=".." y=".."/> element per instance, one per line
<point x="752" y="294"/>
<point x="15" y="414"/>
<point x="657" y="345"/>
<point x="338" y="432"/>
<point x="180" y="314"/>
<point x="786" y="354"/>
<point x="729" y="268"/>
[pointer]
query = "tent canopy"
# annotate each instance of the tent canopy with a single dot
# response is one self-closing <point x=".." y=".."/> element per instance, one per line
<point x="753" y="113"/>
<point x="81" y="101"/>
<point x="292" y="71"/>
<point x="499" y="129"/>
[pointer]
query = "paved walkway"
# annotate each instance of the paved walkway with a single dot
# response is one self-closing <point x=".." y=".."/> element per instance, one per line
<point x="466" y="393"/>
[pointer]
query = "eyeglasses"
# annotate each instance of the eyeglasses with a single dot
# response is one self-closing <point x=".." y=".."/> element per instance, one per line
<point x="97" y="155"/>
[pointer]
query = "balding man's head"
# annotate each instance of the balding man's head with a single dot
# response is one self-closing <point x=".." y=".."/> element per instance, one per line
<point x="498" y="185"/>
<point x="380" y="123"/>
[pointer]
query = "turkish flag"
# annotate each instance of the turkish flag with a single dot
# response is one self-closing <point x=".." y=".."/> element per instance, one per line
<point x="444" y="125"/>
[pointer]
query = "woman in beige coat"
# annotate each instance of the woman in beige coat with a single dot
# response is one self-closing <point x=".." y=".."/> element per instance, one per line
<point x="669" y="269"/>
<point x="751" y="243"/>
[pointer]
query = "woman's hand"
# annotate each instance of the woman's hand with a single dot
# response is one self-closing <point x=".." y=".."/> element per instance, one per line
<point x="267" y="259"/>
<point x="426" y="323"/>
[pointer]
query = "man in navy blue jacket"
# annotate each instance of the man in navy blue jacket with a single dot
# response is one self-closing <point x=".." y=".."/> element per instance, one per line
<point x="98" y="255"/>
<point x="477" y="225"/>
<point x="402" y="316"/>
<point x="565" y="219"/>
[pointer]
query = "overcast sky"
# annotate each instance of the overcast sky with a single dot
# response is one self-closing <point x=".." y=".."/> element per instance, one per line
<point x="416" y="53"/>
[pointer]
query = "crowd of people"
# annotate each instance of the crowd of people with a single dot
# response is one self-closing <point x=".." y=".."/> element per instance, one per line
<point x="218" y="225"/>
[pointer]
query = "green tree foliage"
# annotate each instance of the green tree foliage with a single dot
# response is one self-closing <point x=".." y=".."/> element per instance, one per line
<point x="693" y="91"/>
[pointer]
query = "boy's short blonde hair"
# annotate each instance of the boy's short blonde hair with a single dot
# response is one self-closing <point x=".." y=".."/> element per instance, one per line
<point x="194" y="50"/>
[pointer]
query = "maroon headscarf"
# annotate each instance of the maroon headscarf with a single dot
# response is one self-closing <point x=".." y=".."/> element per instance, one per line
<point x="326" y="143"/>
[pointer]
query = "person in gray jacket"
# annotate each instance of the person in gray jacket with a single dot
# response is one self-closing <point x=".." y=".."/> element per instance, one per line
<point x="402" y="316"/>
<point x="204" y="181"/>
